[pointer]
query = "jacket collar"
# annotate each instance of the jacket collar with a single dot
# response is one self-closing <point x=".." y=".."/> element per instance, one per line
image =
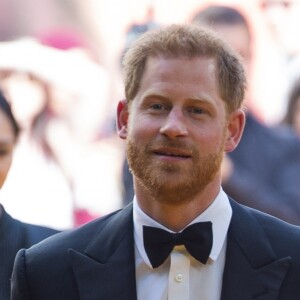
<point x="106" y="269"/>
<point x="251" y="267"/>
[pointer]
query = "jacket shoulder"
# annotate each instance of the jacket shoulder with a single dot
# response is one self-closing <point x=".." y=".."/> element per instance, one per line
<point x="76" y="238"/>
<point x="282" y="235"/>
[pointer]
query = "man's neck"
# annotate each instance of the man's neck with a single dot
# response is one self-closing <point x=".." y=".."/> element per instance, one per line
<point x="176" y="216"/>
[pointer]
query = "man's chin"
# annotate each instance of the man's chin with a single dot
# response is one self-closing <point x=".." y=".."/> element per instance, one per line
<point x="170" y="191"/>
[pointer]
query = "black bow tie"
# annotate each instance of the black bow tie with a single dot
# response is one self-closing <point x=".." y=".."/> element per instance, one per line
<point x="197" y="239"/>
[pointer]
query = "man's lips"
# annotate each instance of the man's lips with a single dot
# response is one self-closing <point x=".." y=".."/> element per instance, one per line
<point x="172" y="152"/>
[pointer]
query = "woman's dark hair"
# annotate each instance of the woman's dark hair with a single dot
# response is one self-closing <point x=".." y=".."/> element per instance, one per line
<point x="5" y="107"/>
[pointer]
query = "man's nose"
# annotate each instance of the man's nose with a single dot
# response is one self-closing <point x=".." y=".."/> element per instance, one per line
<point x="174" y="124"/>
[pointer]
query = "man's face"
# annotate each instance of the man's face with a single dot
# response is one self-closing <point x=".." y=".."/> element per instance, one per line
<point x="176" y="128"/>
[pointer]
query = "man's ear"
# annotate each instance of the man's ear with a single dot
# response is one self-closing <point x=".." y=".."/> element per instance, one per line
<point x="122" y="119"/>
<point x="235" y="128"/>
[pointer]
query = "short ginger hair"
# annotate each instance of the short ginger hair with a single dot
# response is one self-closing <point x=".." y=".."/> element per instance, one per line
<point x="186" y="41"/>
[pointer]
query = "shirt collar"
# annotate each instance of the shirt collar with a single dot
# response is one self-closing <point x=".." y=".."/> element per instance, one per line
<point x="219" y="213"/>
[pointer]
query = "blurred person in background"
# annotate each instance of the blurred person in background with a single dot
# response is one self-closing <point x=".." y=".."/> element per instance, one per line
<point x="292" y="117"/>
<point x="60" y="99"/>
<point x="264" y="170"/>
<point x="35" y="170"/>
<point x="95" y="169"/>
<point x="14" y="235"/>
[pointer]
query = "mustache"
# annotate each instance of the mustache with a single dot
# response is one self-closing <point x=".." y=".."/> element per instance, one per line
<point x="170" y="144"/>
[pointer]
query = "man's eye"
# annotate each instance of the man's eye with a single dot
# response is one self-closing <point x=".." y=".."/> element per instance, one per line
<point x="157" y="106"/>
<point x="197" y="110"/>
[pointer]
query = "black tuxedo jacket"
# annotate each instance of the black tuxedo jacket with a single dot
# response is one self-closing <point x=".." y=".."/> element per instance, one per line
<point x="15" y="235"/>
<point x="96" y="261"/>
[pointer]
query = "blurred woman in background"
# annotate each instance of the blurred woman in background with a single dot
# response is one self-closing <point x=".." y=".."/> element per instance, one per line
<point x="14" y="234"/>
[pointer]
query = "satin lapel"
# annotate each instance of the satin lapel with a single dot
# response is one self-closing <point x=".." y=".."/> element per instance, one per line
<point x="107" y="270"/>
<point x="252" y="271"/>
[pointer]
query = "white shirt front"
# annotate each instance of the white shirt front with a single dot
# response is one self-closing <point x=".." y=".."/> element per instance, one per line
<point x="181" y="276"/>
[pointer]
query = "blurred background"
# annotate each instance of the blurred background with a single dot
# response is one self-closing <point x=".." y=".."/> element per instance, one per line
<point x="60" y="67"/>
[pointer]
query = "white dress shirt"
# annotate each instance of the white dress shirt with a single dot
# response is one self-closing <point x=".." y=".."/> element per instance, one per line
<point x="181" y="276"/>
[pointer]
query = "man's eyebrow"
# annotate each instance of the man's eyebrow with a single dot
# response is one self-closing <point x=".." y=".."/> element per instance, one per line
<point x="202" y="99"/>
<point x="157" y="96"/>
